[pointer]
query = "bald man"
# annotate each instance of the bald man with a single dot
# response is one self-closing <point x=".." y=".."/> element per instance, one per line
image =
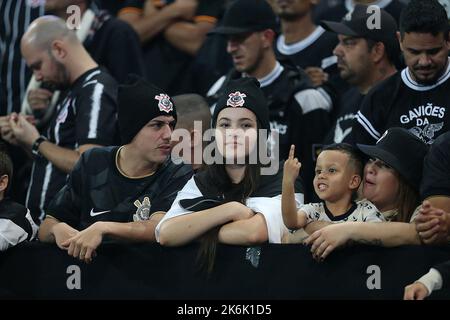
<point x="85" y="117"/>
<point x="194" y="116"/>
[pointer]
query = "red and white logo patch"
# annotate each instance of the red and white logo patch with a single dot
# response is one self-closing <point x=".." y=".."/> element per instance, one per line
<point x="164" y="103"/>
<point x="236" y="99"/>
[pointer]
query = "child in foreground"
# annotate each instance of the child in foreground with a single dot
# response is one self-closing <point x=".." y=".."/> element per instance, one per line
<point x="337" y="178"/>
<point x="16" y="224"/>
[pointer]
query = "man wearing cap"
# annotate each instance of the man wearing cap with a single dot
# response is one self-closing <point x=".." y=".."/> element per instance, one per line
<point x="118" y="191"/>
<point x="297" y="112"/>
<point x="85" y="118"/>
<point x="365" y="57"/>
<point x="417" y="97"/>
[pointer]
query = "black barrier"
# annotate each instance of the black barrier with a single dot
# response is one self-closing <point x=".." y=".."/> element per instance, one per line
<point x="148" y="271"/>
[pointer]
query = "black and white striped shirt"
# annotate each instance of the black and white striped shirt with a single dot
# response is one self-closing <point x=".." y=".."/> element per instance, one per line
<point x="87" y="115"/>
<point x="16" y="224"/>
<point x="15" y="17"/>
<point x="400" y="101"/>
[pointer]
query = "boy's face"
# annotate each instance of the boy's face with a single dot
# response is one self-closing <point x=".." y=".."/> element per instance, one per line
<point x="334" y="177"/>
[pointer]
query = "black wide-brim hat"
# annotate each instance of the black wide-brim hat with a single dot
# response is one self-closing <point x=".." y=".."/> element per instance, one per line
<point x="403" y="151"/>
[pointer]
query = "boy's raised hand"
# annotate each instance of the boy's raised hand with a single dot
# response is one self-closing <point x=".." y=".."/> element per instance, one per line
<point x="291" y="167"/>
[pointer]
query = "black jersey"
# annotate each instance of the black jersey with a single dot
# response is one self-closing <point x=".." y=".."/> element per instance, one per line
<point x="314" y="51"/>
<point x="97" y="191"/>
<point x="15" y="17"/>
<point x="436" y="169"/>
<point x="16" y="224"/>
<point x="399" y="101"/>
<point x="344" y="117"/>
<point x="167" y="66"/>
<point x="87" y="115"/>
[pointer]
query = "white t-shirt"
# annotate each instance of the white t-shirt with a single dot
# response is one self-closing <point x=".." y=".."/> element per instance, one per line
<point x="270" y="208"/>
<point x="363" y="211"/>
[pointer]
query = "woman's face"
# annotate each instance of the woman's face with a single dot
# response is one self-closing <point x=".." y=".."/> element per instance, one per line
<point x="381" y="184"/>
<point x="236" y="134"/>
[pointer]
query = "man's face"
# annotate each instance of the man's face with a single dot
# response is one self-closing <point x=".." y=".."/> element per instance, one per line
<point x="291" y="9"/>
<point x="153" y="140"/>
<point x="425" y="55"/>
<point x="246" y="50"/>
<point x="354" y="60"/>
<point x="45" y="67"/>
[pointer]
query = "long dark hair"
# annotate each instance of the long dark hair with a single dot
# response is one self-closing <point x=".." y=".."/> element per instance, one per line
<point x="407" y="200"/>
<point x="223" y="186"/>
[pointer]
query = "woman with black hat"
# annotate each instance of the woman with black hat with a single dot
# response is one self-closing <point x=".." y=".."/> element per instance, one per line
<point x="391" y="181"/>
<point x="230" y="201"/>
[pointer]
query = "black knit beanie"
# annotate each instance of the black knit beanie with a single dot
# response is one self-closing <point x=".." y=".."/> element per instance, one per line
<point x="139" y="102"/>
<point x="244" y="93"/>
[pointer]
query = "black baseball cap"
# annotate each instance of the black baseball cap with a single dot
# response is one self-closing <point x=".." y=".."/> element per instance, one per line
<point x="403" y="151"/>
<point x="247" y="16"/>
<point x="360" y="23"/>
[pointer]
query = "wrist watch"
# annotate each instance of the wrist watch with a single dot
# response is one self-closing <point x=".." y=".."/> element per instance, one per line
<point x="36" y="144"/>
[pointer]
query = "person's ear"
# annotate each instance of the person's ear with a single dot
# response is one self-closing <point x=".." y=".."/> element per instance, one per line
<point x="447" y="41"/>
<point x="399" y="38"/>
<point x="268" y="37"/>
<point x="4" y="181"/>
<point x="59" y="50"/>
<point x="378" y="52"/>
<point x="355" y="181"/>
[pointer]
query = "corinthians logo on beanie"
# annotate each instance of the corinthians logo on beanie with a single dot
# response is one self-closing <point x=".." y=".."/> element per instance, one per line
<point x="236" y="99"/>
<point x="244" y="93"/>
<point x="139" y="102"/>
<point x="164" y="103"/>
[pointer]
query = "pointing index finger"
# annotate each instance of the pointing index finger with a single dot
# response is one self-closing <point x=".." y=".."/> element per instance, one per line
<point x="292" y="152"/>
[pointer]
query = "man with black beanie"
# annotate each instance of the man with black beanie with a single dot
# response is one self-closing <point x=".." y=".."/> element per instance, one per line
<point x="123" y="191"/>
